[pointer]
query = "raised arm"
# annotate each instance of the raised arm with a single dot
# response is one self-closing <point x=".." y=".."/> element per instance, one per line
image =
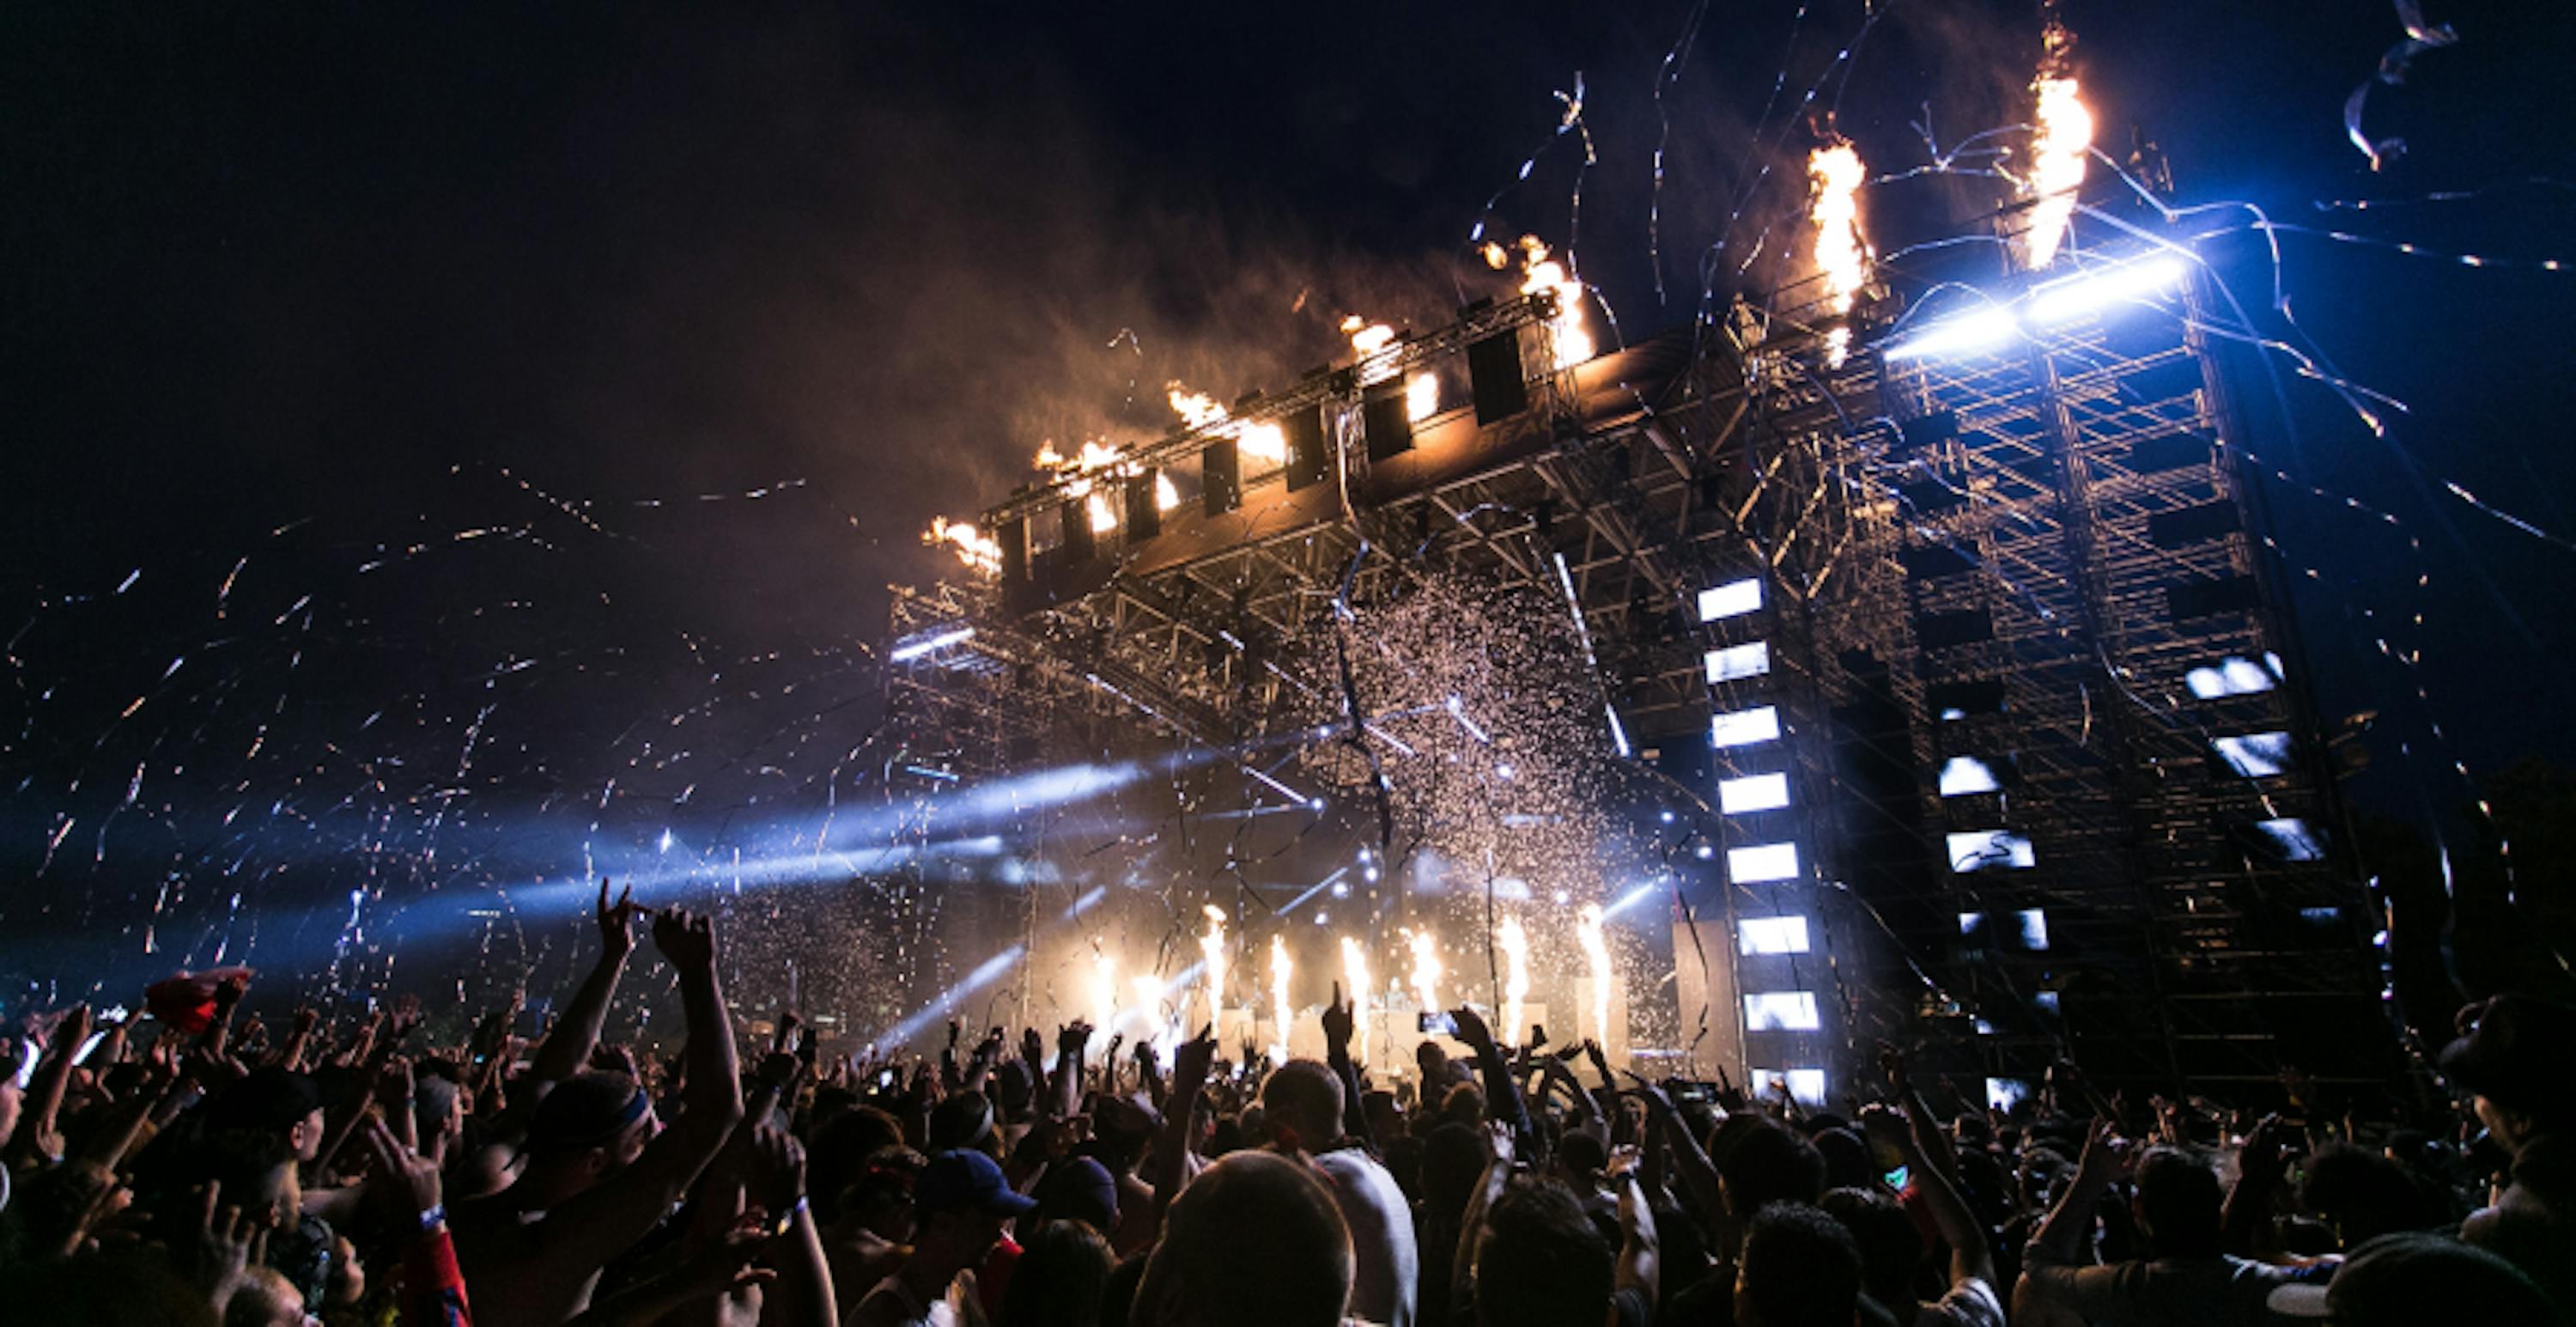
<point x="568" y="1047"/>
<point x="603" y="1221"/>
<point x="1640" y="1263"/>
<point x="1488" y="1191"/>
<point x="1970" y="1255"/>
<point x="1171" y="1165"/>
<point x="36" y="1139"/>
<point x="1690" y="1160"/>
<point x="2054" y="1274"/>
<point x="1502" y="1095"/>
<point x="1338" y="1026"/>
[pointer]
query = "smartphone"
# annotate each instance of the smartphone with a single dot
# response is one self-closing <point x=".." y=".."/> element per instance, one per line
<point x="1439" y="1023"/>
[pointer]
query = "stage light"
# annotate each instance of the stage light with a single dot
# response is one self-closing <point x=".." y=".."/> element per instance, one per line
<point x="1771" y="935"/>
<point x="1966" y="776"/>
<point x="2234" y="675"/>
<point x="1762" y="863"/>
<point x="929" y="643"/>
<point x="2293" y="839"/>
<point x="1989" y="849"/>
<point x="2034" y="930"/>
<point x="1744" y="727"/>
<point x="1806" y="1086"/>
<point x="1704" y="851"/>
<point x="1754" y="792"/>
<point x="1733" y="599"/>
<point x="2077" y="296"/>
<point x="2005" y="1093"/>
<point x="1737" y="662"/>
<point x="1967" y="333"/>
<point x="2255" y="755"/>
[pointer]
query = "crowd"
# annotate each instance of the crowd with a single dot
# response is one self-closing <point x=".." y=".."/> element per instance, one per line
<point x="190" y="1165"/>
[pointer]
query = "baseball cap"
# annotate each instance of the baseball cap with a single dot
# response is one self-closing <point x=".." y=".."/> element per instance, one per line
<point x="959" y="1180"/>
<point x="2415" y="1277"/>
<point x="1080" y="1188"/>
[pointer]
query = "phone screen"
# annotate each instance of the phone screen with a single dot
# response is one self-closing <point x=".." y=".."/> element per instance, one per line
<point x="1439" y="1023"/>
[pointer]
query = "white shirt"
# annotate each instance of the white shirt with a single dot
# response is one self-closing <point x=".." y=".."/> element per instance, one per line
<point x="1381" y="1223"/>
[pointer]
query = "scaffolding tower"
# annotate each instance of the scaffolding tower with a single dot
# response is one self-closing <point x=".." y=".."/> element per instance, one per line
<point x="1974" y="662"/>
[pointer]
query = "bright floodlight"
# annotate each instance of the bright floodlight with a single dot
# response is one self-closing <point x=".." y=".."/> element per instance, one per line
<point x="1731" y="599"/>
<point x="2129" y="282"/>
<point x="1737" y="662"/>
<point x="1782" y="1011"/>
<point x="1754" y="792"/>
<point x="1771" y="935"/>
<point x="1744" y="727"/>
<point x="1967" y="333"/>
<point x="927" y="644"/>
<point x="1762" y="863"/>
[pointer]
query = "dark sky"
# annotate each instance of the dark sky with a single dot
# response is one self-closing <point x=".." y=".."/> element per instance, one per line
<point x="296" y="289"/>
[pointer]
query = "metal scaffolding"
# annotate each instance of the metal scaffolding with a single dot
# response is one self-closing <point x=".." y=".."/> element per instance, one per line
<point x="2047" y="773"/>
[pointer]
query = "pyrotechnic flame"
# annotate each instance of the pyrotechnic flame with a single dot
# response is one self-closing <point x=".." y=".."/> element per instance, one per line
<point x="1279" y="1009"/>
<point x="1104" y="991"/>
<point x="1355" y="976"/>
<point x="1596" y="952"/>
<point x="1514" y="942"/>
<point x="978" y="551"/>
<point x="1367" y="338"/>
<point x="2058" y="151"/>
<point x="1426" y="970"/>
<point x="1421" y="397"/>
<point x="1257" y="439"/>
<point x="1104" y="517"/>
<point x="1834" y="177"/>
<point x="1542" y="273"/>
<point x="1166" y="497"/>
<point x="1212" y="960"/>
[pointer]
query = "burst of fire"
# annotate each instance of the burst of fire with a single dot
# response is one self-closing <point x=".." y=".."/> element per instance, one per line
<point x="1355" y="975"/>
<point x="1426" y="970"/>
<point x="1539" y="272"/>
<point x="979" y="551"/>
<point x="1255" y="439"/>
<point x="1421" y="397"/>
<point x="1596" y="953"/>
<point x="1367" y="338"/>
<point x="1280" y="1013"/>
<point x="1834" y="177"/>
<point x="1104" y="991"/>
<point x="2058" y="151"/>
<point x="1514" y="943"/>
<point x="1212" y="960"/>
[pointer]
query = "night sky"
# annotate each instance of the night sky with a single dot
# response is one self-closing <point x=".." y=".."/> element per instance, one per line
<point x="298" y="294"/>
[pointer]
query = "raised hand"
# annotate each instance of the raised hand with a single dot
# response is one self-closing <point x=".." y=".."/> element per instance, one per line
<point x="1338" y="1024"/>
<point x="687" y="940"/>
<point x="773" y="1170"/>
<point x="227" y="1247"/>
<point x="2106" y="1155"/>
<point x="616" y="920"/>
<point x="1891" y="1062"/>
<point x="1471" y="1029"/>
<point x="409" y="1180"/>
<point x="1071" y="1037"/>
<point x="1191" y="1061"/>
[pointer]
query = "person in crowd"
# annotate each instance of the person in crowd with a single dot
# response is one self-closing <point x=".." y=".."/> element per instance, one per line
<point x="961" y="1207"/>
<point x="1255" y="1240"/>
<point x="2513" y="1054"/>
<point x="1062" y="1279"/>
<point x="1799" y="1268"/>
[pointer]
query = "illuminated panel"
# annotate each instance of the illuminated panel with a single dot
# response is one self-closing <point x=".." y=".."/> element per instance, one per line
<point x="1989" y="850"/>
<point x="2294" y="839"/>
<point x="1755" y="792"/>
<point x="2005" y="1093"/>
<point x="1762" y="862"/>
<point x="1737" y="662"/>
<point x="1781" y="1011"/>
<point x="2255" y="755"/>
<point x="2234" y="675"/>
<point x="1966" y="776"/>
<point x="1771" y="935"/>
<point x="2034" y="929"/>
<point x="1744" y="727"/>
<point x="1806" y="1086"/>
<point x="1733" y="599"/>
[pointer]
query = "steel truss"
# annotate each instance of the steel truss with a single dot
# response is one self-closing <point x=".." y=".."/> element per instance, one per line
<point x="2018" y="557"/>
